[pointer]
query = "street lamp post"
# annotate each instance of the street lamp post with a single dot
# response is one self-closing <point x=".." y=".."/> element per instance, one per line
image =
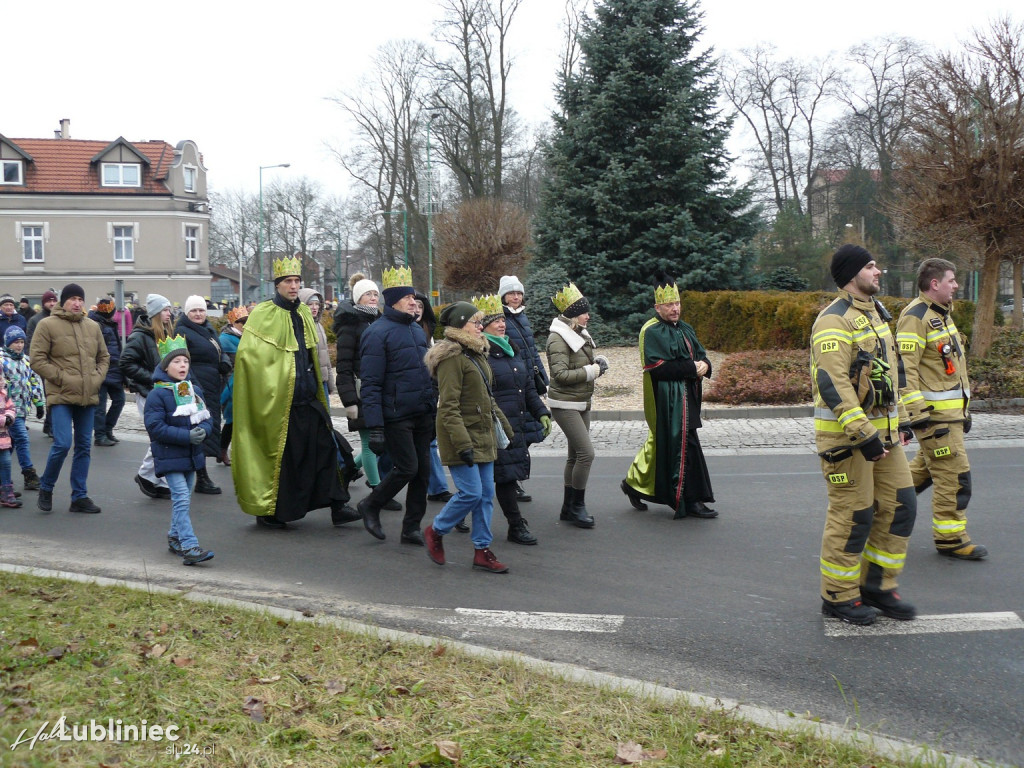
<point x="259" y="235"/>
<point x="430" y="216"/>
<point x="405" y="229"/>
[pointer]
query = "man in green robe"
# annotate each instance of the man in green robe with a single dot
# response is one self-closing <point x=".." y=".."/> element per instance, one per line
<point x="286" y="458"/>
<point x="670" y="468"/>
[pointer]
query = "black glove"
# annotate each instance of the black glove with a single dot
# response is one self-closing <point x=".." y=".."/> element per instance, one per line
<point x="376" y="443"/>
<point x="873" y="449"/>
<point x="467" y="457"/>
<point x="224" y="367"/>
<point x="8" y="420"/>
<point x="196" y="435"/>
<point x="40" y="412"/>
<point x="907" y="432"/>
<point x="967" y="424"/>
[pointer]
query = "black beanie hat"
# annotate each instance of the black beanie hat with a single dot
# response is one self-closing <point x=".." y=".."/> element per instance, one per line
<point x="458" y="314"/>
<point x="70" y="291"/>
<point x="847" y="261"/>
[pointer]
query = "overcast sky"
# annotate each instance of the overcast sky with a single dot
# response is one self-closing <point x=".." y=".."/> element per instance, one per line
<point x="250" y="86"/>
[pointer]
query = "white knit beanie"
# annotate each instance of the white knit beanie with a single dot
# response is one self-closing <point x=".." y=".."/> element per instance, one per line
<point x="361" y="287"/>
<point x="194" y="302"/>
<point x="507" y="284"/>
<point x="155" y="304"/>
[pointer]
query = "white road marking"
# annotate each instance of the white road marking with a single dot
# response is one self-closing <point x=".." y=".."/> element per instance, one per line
<point x="558" y="622"/>
<point x="923" y="625"/>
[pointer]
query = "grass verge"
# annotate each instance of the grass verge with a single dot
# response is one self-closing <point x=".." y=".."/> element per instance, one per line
<point x="248" y="689"/>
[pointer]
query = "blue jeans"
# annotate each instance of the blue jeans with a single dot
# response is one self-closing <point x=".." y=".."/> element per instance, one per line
<point x="181" y="485"/>
<point x="5" y="466"/>
<point x="19" y="436"/>
<point x="105" y="420"/>
<point x="64" y="419"/>
<point x="474" y="496"/>
<point x="438" y="482"/>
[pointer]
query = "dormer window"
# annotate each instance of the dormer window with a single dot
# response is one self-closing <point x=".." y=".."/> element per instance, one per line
<point x="190" y="178"/>
<point x="121" y="174"/>
<point x="12" y="172"/>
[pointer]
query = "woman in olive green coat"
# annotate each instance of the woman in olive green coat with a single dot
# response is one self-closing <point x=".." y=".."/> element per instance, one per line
<point x="465" y="432"/>
<point x="573" y="368"/>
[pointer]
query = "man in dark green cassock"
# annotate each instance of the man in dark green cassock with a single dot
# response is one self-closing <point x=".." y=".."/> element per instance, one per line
<point x="670" y="468"/>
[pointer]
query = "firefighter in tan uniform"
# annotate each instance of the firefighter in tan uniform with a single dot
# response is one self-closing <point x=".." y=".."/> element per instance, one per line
<point x="934" y="388"/>
<point x="871" y="500"/>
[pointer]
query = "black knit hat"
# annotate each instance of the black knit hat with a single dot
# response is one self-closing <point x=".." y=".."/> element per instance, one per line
<point x="847" y="261"/>
<point x="71" y="291"/>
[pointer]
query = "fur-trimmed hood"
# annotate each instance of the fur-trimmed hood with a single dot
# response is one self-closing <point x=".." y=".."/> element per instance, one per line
<point x="454" y="342"/>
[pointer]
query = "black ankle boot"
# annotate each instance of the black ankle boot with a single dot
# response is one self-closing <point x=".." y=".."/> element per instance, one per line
<point x="566" y="513"/>
<point x="204" y="484"/>
<point x="578" y="511"/>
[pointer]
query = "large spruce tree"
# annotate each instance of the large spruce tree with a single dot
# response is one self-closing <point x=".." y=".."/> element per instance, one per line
<point x="639" y="176"/>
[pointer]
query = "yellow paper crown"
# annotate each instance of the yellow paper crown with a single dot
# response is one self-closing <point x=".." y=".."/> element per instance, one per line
<point x="171" y="344"/>
<point x="290" y="267"/>
<point x="489" y="305"/>
<point x="666" y="294"/>
<point x="566" y="297"/>
<point x="396" y="277"/>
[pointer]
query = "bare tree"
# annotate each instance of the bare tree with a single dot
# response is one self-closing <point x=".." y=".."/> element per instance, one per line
<point x="960" y="175"/>
<point x="572" y="21"/>
<point x="234" y="224"/>
<point x="781" y="103"/>
<point x="295" y="210"/>
<point x="475" y="122"/>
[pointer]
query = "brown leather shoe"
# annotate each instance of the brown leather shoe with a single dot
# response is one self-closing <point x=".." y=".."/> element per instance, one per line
<point x="435" y="546"/>
<point x="484" y="560"/>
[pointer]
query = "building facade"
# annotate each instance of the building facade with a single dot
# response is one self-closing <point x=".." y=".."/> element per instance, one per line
<point x="103" y="214"/>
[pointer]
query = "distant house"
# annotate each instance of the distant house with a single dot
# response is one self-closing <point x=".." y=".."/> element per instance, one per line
<point x="96" y="212"/>
<point x="823" y="197"/>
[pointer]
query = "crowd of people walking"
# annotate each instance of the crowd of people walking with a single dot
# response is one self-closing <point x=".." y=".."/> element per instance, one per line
<point x="471" y="396"/>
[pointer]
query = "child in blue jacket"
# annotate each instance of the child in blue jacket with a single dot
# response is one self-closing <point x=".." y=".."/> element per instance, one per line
<point x="177" y="422"/>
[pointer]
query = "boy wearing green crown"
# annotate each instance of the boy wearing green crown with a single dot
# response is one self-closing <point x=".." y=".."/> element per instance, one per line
<point x="285" y="455"/>
<point x="178" y="421"/>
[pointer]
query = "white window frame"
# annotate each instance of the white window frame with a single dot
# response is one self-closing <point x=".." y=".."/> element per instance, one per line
<point x="120" y="240"/>
<point x="40" y="239"/>
<point x="120" y="167"/>
<point x="193" y="172"/>
<point x="191" y="241"/>
<point x="3" y="172"/>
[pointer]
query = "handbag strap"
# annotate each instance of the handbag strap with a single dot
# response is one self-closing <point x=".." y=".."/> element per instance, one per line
<point x="482" y="374"/>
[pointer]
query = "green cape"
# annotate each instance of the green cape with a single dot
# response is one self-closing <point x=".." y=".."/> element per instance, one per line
<point x="263" y="390"/>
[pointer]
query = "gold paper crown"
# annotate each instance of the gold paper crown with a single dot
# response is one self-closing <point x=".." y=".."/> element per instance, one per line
<point x="666" y="294"/>
<point x="566" y="297"/>
<point x="489" y="305"/>
<point x="287" y="268"/>
<point x="237" y="314"/>
<point x="171" y="344"/>
<point x="396" y="277"/>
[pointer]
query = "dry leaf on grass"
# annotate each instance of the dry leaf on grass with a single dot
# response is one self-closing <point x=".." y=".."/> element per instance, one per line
<point x="631" y="752"/>
<point x="334" y="687"/>
<point x="439" y="650"/>
<point x="449" y="750"/>
<point x="182" y="661"/>
<point x="253" y="707"/>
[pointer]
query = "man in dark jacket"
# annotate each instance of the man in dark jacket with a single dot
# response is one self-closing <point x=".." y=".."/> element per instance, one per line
<point x="49" y="301"/>
<point x="398" y="405"/>
<point x="113" y="385"/>
<point x="9" y="317"/>
<point x="70" y="356"/>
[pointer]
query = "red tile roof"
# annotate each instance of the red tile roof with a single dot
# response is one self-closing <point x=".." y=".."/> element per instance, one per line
<point x="64" y="166"/>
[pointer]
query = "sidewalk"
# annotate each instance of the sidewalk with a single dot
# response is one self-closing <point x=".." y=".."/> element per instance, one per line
<point x="726" y="431"/>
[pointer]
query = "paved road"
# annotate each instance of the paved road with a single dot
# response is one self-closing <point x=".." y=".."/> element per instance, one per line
<point x="725" y="607"/>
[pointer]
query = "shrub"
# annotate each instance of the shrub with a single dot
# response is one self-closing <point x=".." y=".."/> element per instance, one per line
<point x="999" y="375"/>
<point x="776" y="377"/>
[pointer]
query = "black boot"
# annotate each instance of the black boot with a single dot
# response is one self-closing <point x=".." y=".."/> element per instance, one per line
<point x="566" y="513"/>
<point x="204" y="484"/>
<point x="518" y="533"/>
<point x="578" y="511"/>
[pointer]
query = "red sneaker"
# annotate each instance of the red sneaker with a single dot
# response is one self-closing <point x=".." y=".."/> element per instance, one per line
<point x="484" y="560"/>
<point x="435" y="546"/>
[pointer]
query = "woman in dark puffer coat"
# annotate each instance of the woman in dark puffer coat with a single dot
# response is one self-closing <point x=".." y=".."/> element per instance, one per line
<point x="516" y="395"/>
<point x="209" y="365"/>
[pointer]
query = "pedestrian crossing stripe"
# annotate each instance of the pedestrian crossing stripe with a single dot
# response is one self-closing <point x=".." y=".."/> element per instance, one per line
<point x="558" y="622"/>
<point x="928" y="625"/>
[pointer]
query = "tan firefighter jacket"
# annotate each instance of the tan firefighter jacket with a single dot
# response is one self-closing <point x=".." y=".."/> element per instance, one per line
<point x="933" y="367"/>
<point x="853" y="376"/>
